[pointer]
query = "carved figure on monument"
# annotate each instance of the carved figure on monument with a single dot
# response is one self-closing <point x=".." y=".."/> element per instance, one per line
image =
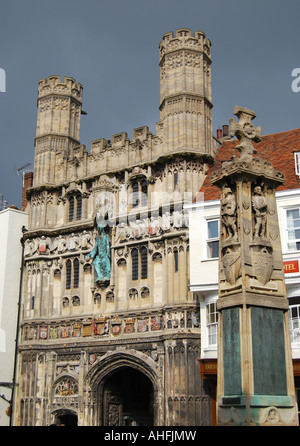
<point x="101" y="256"/>
<point x="228" y="213"/>
<point x="259" y="205"/>
<point x="245" y="131"/>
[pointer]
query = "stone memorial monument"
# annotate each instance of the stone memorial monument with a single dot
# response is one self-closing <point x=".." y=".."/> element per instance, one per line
<point x="255" y="374"/>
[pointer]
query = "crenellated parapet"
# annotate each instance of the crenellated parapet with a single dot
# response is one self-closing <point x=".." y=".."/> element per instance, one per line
<point x="184" y="39"/>
<point x="54" y="85"/>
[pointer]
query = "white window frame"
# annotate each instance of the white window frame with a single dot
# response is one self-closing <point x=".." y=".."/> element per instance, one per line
<point x="294" y="324"/>
<point x="211" y="319"/>
<point x="287" y="242"/>
<point x="297" y="163"/>
<point x="213" y="239"/>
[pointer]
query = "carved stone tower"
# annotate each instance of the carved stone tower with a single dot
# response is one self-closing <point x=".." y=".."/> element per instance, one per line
<point x="58" y="124"/>
<point x="255" y="375"/>
<point x="185" y="92"/>
<point x="110" y="330"/>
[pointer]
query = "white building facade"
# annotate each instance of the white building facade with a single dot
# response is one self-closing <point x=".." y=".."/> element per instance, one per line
<point x="11" y="223"/>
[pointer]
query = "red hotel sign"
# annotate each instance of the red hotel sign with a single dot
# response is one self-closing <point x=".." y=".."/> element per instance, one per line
<point x="291" y="266"/>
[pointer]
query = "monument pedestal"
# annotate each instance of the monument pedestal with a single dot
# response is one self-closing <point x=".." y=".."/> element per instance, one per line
<point x="255" y="373"/>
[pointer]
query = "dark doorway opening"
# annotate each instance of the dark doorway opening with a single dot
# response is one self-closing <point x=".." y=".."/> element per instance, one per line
<point x="66" y="420"/>
<point x="128" y="399"/>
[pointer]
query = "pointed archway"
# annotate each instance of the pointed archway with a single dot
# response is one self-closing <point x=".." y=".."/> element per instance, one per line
<point x="123" y="384"/>
<point x="127" y="399"/>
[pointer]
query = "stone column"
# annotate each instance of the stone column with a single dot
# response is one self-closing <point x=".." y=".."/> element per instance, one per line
<point x="255" y="374"/>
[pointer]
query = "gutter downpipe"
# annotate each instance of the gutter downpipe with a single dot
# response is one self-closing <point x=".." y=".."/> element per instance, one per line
<point x="18" y="328"/>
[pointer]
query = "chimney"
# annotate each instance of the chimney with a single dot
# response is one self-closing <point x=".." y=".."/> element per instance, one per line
<point x="225" y="131"/>
<point x="27" y="183"/>
<point x="219" y="133"/>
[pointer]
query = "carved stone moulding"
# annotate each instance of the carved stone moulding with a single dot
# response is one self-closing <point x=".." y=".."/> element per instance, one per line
<point x="255" y="167"/>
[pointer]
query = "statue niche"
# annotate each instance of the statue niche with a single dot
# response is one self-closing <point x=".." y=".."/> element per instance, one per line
<point x="101" y="256"/>
<point x="259" y="206"/>
<point x="228" y="214"/>
<point x="230" y="247"/>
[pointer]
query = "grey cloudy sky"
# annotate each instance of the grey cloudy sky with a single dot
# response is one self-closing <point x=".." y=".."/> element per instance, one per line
<point x="111" y="48"/>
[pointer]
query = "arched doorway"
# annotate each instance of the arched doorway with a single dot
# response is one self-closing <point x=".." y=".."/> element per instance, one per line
<point x="66" y="418"/>
<point x="127" y="398"/>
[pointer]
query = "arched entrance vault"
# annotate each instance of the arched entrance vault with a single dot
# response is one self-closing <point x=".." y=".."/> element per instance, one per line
<point x="126" y="390"/>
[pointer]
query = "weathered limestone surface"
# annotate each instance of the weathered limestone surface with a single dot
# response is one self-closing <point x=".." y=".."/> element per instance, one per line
<point x="81" y="337"/>
<point x="255" y="376"/>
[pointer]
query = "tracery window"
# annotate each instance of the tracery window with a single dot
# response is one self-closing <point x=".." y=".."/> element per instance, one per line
<point x="144" y="190"/>
<point x="144" y="263"/>
<point x="71" y="208"/>
<point x="135" y="264"/>
<point x="75" y="207"/>
<point x="76" y="273"/>
<point x="135" y="194"/>
<point x="139" y="262"/>
<point x="139" y="193"/>
<point x="72" y="273"/>
<point x="68" y="274"/>
<point x="79" y="207"/>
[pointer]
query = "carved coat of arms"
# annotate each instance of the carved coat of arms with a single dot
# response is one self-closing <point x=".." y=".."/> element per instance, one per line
<point x="231" y="264"/>
<point x="262" y="262"/>
<point x="156" y="323"/>
<point x="142" y="326"/>
<point x="116" y="326"/>
<point x="129" y="326"/>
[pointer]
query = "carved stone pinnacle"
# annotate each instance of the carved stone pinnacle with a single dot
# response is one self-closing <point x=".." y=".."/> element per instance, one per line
<point x="245" y="131"/>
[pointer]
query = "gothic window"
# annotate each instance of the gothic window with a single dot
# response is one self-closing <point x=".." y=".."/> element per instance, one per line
<point x="144" y="190"/>
<point x="139" y="193"/>
<point x="72" y="274"/>
<point x="175" y="180"/>
<point x="32" y="302"/>
<point x="175" y="260"/>
<point x="135" y="194"/>
<point x="71" y="208"/>
<point x="79" y="207"/>
<point x="76" y="273"/>
<point x="144" y="263"/>
<point x="135" y="264"/>
<point x="75" y="207"/>
<point x="68" y="274"/>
